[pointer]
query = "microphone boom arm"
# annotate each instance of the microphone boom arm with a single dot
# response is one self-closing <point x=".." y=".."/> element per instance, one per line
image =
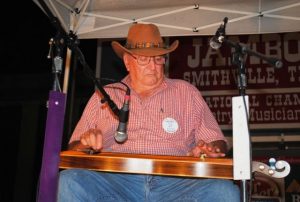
<point x="246" y="50"/>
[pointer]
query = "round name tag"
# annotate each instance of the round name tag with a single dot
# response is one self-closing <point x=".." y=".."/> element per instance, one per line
<point x="170" y="125"/>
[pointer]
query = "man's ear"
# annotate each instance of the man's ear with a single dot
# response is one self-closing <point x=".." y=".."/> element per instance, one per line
<point x="126" y="61"/>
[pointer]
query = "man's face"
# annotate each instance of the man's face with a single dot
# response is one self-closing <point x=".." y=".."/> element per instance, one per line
<point x="145" y="71"/>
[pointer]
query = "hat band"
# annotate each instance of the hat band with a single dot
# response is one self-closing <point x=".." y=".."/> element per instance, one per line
<point x="145" y="45"/>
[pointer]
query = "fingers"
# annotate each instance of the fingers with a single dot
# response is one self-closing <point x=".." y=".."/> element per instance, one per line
<point x="213" y="148"/>
<point x="205" y="149"/>
<point x="92" y="138"/>
<point x="195" y="152"/>
<point x="98" y="141"/>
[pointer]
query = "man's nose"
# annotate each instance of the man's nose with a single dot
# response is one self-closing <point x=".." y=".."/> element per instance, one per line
<point x="152" y="63"/>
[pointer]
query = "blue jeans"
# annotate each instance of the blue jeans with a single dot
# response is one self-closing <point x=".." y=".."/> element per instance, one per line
<point x="84" y="185"/>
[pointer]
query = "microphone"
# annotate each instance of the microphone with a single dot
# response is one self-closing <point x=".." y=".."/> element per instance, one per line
<point x="216" y="41"/>
<point x="121" y="133"/>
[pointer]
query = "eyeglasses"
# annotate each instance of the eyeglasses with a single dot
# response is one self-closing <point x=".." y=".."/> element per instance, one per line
<point x="144" y="60"/>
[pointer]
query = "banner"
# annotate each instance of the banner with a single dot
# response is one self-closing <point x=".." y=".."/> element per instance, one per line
<point x="274" y="93"/>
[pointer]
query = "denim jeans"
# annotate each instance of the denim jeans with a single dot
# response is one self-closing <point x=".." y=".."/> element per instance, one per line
<point x="84" y="186"/>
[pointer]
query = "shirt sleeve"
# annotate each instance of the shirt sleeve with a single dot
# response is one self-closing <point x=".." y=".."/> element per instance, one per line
<point x="207" y="128"/>
<point x="89" y="117"/>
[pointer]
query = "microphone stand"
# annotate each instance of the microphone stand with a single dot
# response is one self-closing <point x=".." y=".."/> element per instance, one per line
<point x="48" y="180"/>
<point x="71" y="41"/>
<point x="242" y="156"/>
<point x="242" y="151"/>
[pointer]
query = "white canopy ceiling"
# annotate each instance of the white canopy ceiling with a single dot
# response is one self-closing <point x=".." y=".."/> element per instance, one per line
<point x="111" y="18"/>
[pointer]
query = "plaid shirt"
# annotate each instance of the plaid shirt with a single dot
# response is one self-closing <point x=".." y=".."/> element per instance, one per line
<point x="169" y="122"/>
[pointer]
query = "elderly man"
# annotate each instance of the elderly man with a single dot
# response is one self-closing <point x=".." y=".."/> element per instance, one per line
<point x="167" y="117"/>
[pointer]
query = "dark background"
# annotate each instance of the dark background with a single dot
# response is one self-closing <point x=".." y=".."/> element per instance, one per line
<point x="25" y="81"/>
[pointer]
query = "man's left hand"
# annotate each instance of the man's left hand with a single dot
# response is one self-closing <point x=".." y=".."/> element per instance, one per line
<point x="213" y="149"/>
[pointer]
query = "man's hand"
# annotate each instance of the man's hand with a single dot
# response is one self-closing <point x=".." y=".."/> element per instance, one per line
<point x="91" y="139"/>
<point x="213" y="149"/>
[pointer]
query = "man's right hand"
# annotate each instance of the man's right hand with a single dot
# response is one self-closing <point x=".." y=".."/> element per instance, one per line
<point x="93" y="139"/>
<point x="90" y="140"/>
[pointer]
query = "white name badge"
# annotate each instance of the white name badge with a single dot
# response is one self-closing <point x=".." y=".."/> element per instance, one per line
<point x="170" y="125"/>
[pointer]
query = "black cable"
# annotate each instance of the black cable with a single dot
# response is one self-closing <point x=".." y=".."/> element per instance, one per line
<point x="115" y="81"/>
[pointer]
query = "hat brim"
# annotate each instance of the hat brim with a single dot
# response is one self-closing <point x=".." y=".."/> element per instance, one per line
<point x="120" y="50"/>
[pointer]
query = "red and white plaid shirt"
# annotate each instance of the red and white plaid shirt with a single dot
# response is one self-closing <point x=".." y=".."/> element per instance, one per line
<point x="169" y="122"/>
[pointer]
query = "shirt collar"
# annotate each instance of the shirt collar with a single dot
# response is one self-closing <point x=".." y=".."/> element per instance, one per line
<point x="163" y="85"/>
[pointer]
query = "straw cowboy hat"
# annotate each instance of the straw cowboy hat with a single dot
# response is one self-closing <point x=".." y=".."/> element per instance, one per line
<point x="143" y="39"/>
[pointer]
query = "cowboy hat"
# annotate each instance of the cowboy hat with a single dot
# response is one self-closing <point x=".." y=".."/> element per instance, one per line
<point x="143" y="39"/>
